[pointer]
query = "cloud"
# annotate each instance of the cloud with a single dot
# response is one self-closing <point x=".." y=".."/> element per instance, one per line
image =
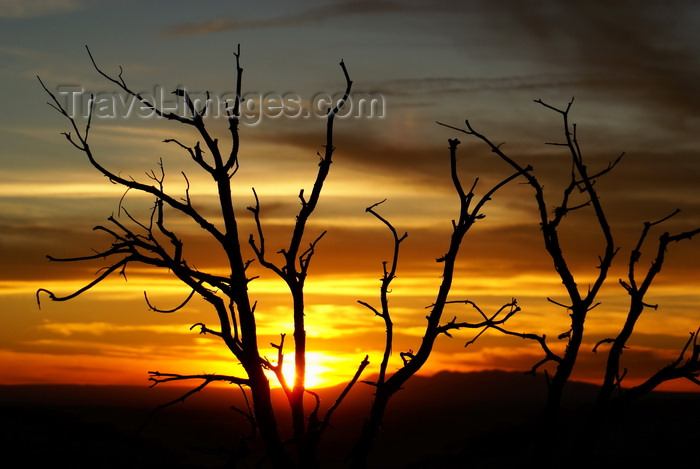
<point x="309" y="15"/>
<point x="367" y="147"/>
<point x="22" y="9"/>
<point x="450" y="86"/>
<point x="646" y="51"/>
<point x="101" y="328"/>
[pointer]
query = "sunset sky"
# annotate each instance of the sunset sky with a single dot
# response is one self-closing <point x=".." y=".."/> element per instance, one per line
<point x="632" y="66"/>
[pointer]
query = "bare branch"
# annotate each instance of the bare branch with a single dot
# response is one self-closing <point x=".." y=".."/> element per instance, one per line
<point x="158" y="377"/>
<point x="205" y="330"/>
<point x="277" y="368"/>
<point x="325" y="423"/>
<point x="101" y="277"/>
<point x="637" y="292"/>
<point x="386" y="280"/>
<point x="601" y="342"/>
<point x="682" y="367"/>
<point x="172" y="310"/>
<point x="260" y="250"/>
<point x="511" y="307"/>
<point x="234" y="116"/>
<point x="122" y="84"/>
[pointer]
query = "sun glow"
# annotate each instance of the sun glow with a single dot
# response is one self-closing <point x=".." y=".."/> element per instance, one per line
<point x="322" y="370"/>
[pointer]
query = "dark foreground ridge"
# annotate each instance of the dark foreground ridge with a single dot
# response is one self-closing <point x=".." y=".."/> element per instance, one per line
<point x="482" y="420"/>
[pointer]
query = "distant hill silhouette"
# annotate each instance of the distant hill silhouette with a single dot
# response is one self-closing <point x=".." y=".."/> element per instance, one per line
<point x="484" y="420"/>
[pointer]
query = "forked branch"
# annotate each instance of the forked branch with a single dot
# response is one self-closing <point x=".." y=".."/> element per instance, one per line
<point x="637" y="291"/>
<point x="687" y="367"/>
<point x="387" y="277"/>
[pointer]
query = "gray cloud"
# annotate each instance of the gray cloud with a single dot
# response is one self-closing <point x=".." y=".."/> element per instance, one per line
<point x="23" y="9"/>
<point x="449" y="86"/>
<point x="646" y="51"/>
<point x="309" y="15"/>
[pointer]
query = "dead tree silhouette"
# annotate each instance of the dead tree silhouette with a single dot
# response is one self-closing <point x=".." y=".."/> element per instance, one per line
<point x="387" y="385"/>
<point x="685" y="366"/>
<point x="154" y="243"/>
<point x="581" y="302"/>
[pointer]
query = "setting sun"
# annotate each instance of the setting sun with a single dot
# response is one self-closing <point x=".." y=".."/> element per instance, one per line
<point x="322" y="370"/>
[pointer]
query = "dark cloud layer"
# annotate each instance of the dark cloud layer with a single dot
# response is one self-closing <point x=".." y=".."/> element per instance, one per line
<point x="641" y="52"/>
<point x="308" y="15"/>
<point x="640" y="49"/>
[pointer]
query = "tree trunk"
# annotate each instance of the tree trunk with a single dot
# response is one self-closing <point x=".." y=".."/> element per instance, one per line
<point x="265" y="418"/>
<point x="565" y="368"/>
<point x="370" y="430"/>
